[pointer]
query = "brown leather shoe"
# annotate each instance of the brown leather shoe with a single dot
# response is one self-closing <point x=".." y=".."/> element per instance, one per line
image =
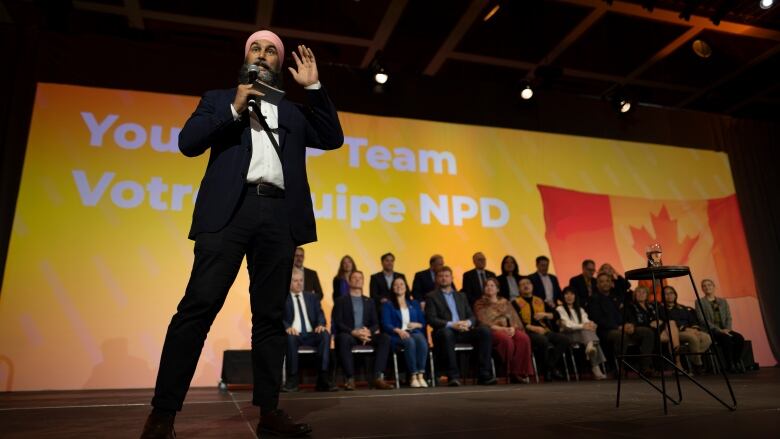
<point x="159" y="427"/>
<point x="349" y="384"/>
<point x="281" y="424"/>
<point x="381" y="384"/>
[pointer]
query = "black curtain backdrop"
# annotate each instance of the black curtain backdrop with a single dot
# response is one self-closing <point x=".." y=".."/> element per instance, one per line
<point x="754" y="157"/>
<point x="142" y="63"/>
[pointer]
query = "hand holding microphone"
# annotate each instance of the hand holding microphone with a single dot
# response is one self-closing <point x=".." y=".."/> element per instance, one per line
<point x="246" y="95"/>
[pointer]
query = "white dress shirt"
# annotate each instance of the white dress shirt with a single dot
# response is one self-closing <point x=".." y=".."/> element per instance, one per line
<point x="265" y="165"/>
<point x="405" y="318"/>
<point x="297" y="319"/>
<point x="548" y="287"/>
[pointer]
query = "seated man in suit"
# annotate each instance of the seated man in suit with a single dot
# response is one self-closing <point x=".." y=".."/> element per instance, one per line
<point x="311" y="281"/>
<point x="474" y="280"/>
<point x="449" y="314"/>
<point x="354" y="321"/>
<point x="584" y="285"/>
<point x="606" y="310"/>
<point x="304" y="322"/>
<point x="380" y="285"/>
<point x="546" y="285"/>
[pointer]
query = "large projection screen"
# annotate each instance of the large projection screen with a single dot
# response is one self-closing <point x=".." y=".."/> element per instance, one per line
<point x="99" y="255"/>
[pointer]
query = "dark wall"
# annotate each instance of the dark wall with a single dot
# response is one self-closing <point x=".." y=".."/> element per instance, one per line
<point x="135" y="62"/>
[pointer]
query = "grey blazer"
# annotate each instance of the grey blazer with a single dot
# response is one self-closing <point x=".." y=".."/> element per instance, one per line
<point x="705" y="307"/>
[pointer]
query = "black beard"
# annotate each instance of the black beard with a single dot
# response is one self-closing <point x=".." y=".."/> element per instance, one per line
<point x="265" y="74"/>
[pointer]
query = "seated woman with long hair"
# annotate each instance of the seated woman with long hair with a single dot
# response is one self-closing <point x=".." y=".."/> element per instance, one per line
<point x="341" y="279"/>
<point x="644" y="313"/>
<point x="574" y="322"/>
<point x="688" y="324"/>
<point x="509" y="338"/>
<point x="403" y="319"/>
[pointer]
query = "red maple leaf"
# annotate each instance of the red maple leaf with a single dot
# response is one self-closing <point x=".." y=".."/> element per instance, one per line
<point x="674" y="251"/>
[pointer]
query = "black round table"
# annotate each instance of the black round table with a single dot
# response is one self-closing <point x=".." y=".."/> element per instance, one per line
<point x="660" y="272"/>
<point x="656" y="275"/>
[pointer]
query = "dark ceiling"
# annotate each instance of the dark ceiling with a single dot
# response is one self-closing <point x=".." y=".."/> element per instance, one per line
<point x="581" y="47"/>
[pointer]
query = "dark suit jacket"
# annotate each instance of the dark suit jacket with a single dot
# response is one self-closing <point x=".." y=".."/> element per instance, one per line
<point x="471" y="284"/>
<point x="337" y="289"/>
<point x="503" y="284"/>
<point x="577" y="283"/>
<point x="311" y="282"/>
<point x="212" y="126"/>
<point x="343" y="319"/>
<point x="378" y="286"/>
<point x="605" y="311"/>
<point x="313" y="310"/>
<point x="536" y="279"/>
<point x="438" y="314"/>
<point x="423" y="284"/>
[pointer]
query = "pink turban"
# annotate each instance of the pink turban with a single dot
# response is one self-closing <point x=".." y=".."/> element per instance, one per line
<point x="266" y="35"/>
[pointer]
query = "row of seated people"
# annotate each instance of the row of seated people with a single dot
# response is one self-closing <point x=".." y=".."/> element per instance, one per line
<point x="511" y="327"/>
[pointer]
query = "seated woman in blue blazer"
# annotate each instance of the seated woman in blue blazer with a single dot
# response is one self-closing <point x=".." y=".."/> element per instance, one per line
<point x="404" y="321"/>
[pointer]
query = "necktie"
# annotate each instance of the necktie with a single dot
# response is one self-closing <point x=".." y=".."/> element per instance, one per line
<point x="302" y="315"/>
<point x="482" y="280"/>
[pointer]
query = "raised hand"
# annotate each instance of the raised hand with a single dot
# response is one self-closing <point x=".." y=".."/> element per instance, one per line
<point x="305" y="72"/>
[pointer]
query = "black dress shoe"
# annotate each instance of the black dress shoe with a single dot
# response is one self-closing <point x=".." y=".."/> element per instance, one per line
<point x="290" y="388"/>
<point x="159" y="427"/>
<point x="487" y="381"/>
<point x="454" y="383"/>
<point x="326" y="387"/>
<point x="281" y="424"/>
<point x="324" y="384"/>
<point x="291" y="385"/>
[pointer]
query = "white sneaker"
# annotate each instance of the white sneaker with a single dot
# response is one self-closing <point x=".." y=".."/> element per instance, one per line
<point x="421" y="380"/>
<point x="415" y="382"/>
<point x="598" y="375"/>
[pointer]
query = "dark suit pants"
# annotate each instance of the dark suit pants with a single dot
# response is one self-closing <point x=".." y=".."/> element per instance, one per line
<point x="380" y="343"/>
<point x="258" y="229"/>
<point x="549" y="348"/>
<point x="643" y="336"/>
<point x="732" y="345"/>
<point x="320" y="341"/>
<point x="445" y="340"/>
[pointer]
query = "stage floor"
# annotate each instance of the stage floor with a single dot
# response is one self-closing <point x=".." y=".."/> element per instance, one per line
<point x="583" y="410"/>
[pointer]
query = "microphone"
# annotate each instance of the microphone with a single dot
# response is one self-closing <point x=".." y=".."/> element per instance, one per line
<point x="248" y="75"/>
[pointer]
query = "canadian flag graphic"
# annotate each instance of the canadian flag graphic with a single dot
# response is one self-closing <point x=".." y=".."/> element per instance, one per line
<point x="706" y="235"/>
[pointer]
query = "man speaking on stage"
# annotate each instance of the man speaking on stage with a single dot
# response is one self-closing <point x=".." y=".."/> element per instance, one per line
<point x="254" y="201"/>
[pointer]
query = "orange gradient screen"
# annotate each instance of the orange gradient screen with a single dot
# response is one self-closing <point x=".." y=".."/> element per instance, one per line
<point x="99" y="256"/>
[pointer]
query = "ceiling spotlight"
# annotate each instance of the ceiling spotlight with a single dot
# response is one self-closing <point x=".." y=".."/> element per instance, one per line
<point x="702" y="49"/>
<point x="624" y="105"/>
<point x="491" y="13"/>
<point x="766" y="4"/>
<point x="378" y="73"/>
<point x="622" y="101"/>
<point x="380" y="76"/>
<point x="527" y="92"/>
